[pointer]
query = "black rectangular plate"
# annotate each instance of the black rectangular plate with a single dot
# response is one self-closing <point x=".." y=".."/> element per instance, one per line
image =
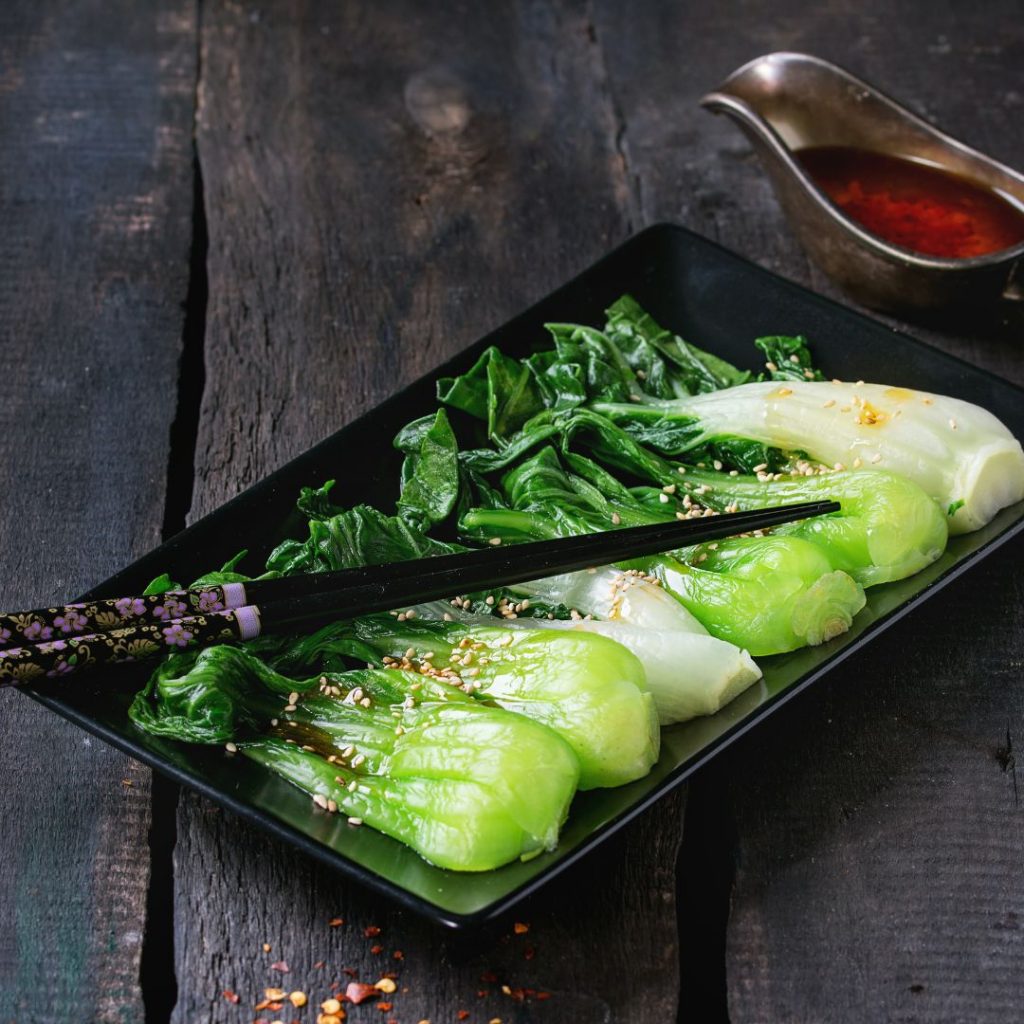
<point x="708" y="295"/>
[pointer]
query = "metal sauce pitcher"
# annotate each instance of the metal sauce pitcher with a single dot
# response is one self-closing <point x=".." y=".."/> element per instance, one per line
<point x="789" y="101"/>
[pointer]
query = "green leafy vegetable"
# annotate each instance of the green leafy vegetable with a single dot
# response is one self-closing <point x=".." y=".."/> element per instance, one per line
<point x="588" y="689"/>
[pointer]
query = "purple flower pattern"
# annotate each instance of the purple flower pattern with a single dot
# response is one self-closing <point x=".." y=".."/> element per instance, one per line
<point x="170" y="609"/>
<point x="127" y="607"/>
<point x="37" y="630"/>
<point x="71" y="621"/>
<point x="5" y="635"/>
<point x="177" y="635"/>
<point x="209" y="601"/>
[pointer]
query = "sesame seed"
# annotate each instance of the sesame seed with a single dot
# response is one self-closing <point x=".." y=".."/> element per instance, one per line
<point x="401" y="616"/>
<point x="770" y="366"/>
<point x="320" y="801"/>
<point x="448" y="617"/>
<point x="289" y="707"/>
<point x="293" y="698"/>
<point x="877" y="457"/>
<point x="411" y="613"/>
<point x="761" y="468"/>
<point x="734" y="472"/>
<point x="332" y="806"/>
<point x="358" y="760"/>
<point x="355" y="821"/>
<point x="717" y="464"/>
<point x="782" y="392"/>
<point x="231" y="748"/>
<point x="858" y="384"/>
<point x="681" y="470"/>
<point x="663" y="498"/>
<point x="495" y="541"/>
<point x="952" y="423"/>
<point x="858" y="462"/>
<point x="828" y="404"/>
<point x="669" y="488"/>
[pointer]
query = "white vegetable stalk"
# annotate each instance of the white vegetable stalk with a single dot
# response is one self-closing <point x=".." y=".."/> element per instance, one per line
<point x="610" y="593"/>
<point x="957" y="452"/>
<point x="688" y="674"/>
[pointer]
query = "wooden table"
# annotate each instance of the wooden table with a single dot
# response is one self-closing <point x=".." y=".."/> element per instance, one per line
<point x="225" y="232"/>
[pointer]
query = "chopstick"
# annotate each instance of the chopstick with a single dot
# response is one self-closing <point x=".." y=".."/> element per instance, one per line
<point x="61" y="640"/>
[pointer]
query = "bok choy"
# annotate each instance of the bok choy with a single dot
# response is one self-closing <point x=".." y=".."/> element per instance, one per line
<point x="467" y="785"/>
<point x="958" y="453"/>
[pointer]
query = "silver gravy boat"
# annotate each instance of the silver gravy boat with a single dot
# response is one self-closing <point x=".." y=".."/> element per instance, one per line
<point x="788" y="101"/>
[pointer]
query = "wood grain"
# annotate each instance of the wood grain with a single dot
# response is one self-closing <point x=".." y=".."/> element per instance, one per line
<point x="383" y="184"/>
<point x="95" y="171"/>
<point x="879" y="835"/>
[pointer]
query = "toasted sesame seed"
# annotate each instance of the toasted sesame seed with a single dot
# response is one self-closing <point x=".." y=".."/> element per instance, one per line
<point x="332" y="806"/>
<point x="231" y="748"/>
<point x="770" y="366"/>
<point x="858" y="383"/>
<point x="663" y="498"/>
<point x="858" y="462"/>
<point x="877" y="457"/>
<point x="952" y="423"/>
<point x="289" y="707"/>
<point x="794" y="358"/>
<point x="358" y="760"/>
<point x="669" y="488"/>
<point x="293" y="698"/>
<point x="495" y="541"/>
<point x="411" y="613"/>
<point x="761" y="468"/>
<point x="355" y="821"/>
<point x="828" y="404"/>
<point x="734" y="472"/>
<point x="717" y="464"/>
<point x="320" y="801"/>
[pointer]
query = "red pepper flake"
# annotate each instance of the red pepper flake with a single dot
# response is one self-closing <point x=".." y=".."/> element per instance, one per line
<point x="376" y="949"/>
<point x="543" y="995"/>
<point x="462" y="1014"/>
<point x="398" y="954"/>
<point x="482" y="993"/>
<point x="385" y="1007"/>
<point x="390" y="974"/>
<point x="350" y="971"/>
<point x="262" y="1005"/>
<point x="280" y="965"/>
<point x="319" y="964"/>
<point x="231" y="997"/>
<point x="336" y="922"/>
<point x="371" y="931"/>
<point x="358" y="992"/>
<point x="335" y="985"/>
<point x="529" y="953"/>
<point x="519" y="928"/>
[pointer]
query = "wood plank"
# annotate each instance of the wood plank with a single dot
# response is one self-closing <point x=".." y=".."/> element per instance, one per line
<point x="383" y="184"/>
<point x="95" y="165"/>
<point x="879" y="837"/>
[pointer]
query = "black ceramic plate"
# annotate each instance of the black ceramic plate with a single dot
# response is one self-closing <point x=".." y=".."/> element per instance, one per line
<point x="704" y="293"/>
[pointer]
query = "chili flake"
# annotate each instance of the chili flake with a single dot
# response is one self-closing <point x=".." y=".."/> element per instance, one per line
<point x="280" y="965"/>
<point x="371" y="931"/>
<point x="231" y="997"/>
<point x="358" y="992"/>
<point x="336" y="922"/>
<point x="519" y="928"/>
<point x="377" y="949"/>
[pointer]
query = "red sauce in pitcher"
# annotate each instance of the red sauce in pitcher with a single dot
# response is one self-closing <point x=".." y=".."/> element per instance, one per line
<point x="919" y="207"/>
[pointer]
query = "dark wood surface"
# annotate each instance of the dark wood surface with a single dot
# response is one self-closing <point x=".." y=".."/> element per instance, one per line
<point x="380" y="184"/>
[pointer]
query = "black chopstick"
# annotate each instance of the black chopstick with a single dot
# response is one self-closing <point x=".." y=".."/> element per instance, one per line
<point x="59" y="640"/>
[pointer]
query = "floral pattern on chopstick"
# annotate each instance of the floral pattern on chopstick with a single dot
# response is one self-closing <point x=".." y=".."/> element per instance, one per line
<point x="106" y="614"/>
<point x="60" y="656"/>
